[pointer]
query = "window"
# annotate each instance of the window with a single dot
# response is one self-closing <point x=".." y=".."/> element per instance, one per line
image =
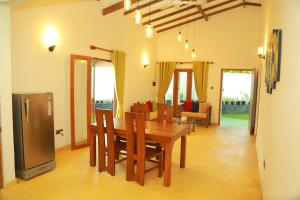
<point x="194" y="92"/>
<point x="182" y="88"/>
<point x="169" y="94"/>
<point x="103" y="87"/>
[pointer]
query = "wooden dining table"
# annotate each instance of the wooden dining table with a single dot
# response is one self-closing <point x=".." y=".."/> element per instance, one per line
<point x="166" y="134"/>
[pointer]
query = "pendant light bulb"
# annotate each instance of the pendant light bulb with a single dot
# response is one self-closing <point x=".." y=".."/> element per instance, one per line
<point x="127" y="4"/>
<point x="137" y="16"/>
<point x="193" y="54"/>
<point x="149" y="31"/>
<point x="179" y="37"/>
<point x="186" y="45"/>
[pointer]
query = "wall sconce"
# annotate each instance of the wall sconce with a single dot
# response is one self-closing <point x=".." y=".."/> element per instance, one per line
<point x="50" y="38"/>
<point x="261" y="52"/>
<point x="145" y="60"/>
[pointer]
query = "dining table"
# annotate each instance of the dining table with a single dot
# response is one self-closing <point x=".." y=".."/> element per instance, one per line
<point x="166" y="134"/>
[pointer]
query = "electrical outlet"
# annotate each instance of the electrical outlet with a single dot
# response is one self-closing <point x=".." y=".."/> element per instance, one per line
<point x="60" y="132"/>
<point x="264" y="164"/>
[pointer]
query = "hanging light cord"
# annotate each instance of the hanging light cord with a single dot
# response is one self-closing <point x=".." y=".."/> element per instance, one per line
<point x="187" y="29"/>
<point x="194" y="33"/>
<point x="149" y="12"/>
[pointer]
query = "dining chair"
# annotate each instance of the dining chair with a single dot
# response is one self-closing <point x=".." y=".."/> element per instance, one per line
<point x="113" y="147"/>
<point x="165" y="112"/>
<point x="137" y="150"/>
<point x="141" y="108"/>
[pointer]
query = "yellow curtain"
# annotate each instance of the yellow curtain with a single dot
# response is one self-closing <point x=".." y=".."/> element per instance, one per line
<point x="165" y="73"/>
<point x="201" y="79"/>
<point x="118" y="61"/>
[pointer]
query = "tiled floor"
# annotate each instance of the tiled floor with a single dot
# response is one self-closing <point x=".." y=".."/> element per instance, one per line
<point x="221" y="164"/>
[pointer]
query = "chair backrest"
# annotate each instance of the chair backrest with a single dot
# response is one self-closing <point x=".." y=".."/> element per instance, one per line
<point x="203" y="107"/>
<point x="164" y="112"/>
<point x="141" y="108"/>
<point x="106" y="116"/>
<point x="135" y="146"/>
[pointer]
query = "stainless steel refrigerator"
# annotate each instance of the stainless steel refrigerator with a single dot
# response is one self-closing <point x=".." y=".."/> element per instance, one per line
<point x="33" y="134"/>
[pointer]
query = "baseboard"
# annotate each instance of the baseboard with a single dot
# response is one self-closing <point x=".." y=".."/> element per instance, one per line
<point x="67" y="147"/>
<point x="11" y="183"/>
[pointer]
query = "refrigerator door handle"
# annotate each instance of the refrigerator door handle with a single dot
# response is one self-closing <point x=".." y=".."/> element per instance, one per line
<point x="27" y="109"/>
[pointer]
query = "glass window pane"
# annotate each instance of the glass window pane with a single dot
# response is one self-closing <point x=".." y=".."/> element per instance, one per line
<point x="194" y="93"/>
<point x="169" y="94"/>
<point x="104" y="87"/>
<point x="182" y="86"/>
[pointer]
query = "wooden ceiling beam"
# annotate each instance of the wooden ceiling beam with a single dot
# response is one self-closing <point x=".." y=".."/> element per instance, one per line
<point x="202" y="12"/>
<point x="195" y="13"/>
<point x="169" y="15"/>
<point x="199" y="18"/>
<point x="116" y="7"/>
<point x="253" y="4"/>
<point x="155" y="11"/>
<point x="142" y="6"/>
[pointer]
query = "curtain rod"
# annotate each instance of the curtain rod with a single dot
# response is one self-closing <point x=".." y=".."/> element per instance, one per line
<point x="92" y="47"/>
<point x="183" y="62"/>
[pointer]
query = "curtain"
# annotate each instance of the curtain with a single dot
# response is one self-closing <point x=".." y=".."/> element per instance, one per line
<point x="165" y="73"/>
<point x="118" y="61"/>
<point x="201" y="79"/>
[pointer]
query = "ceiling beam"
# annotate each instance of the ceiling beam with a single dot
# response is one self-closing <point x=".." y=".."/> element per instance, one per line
<point x="195" y="13"/>
<point x="169" y="15"/>
<point x="188" y="8"/>
<point x="116" y="7"/>
<point x="202" y="12"/>
<point x="253" y="4"/>
<point x="156" y="11"/>
<point x="199" y="18"/>
<point x="142" y="6"/>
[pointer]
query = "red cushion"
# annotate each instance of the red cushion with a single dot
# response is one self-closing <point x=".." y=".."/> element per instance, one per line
<point x="188" y="106"/>
<point x="149" y="105"/>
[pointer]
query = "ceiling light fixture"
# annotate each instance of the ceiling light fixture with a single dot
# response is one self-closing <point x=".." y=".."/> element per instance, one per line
<point x="194" y="53"/>
<point x="127" y="4"/>
<point x="186" y="45"/>
<point x="179" y="37"/>
<point x="138" y="16"/>
<point x="149" y="29"/>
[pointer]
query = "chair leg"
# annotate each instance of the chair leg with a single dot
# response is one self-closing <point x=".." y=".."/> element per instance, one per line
<point x="160" y="165"/>
<point x="101" y="155"/>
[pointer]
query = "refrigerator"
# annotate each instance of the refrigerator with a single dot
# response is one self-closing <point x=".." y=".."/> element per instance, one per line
<point x="33" y="134"/>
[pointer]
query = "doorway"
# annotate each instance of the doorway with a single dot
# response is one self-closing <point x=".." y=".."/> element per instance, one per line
<point x="238" y="98"/>
<point x="181" y="89"/>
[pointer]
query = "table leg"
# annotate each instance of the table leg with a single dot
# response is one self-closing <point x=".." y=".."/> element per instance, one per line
<point x="168" y="164"/>
<point x="92" y="148"/>
<point x="183" y="151"/>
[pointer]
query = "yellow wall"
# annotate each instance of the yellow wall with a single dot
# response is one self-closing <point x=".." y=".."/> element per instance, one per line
<point x="229" y="39"/>
<point x="5" y="96"/>
<point x="278" y="125"/>
<point x="79" y="25"/>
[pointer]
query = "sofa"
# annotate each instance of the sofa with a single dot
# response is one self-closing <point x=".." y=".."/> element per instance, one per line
<point x="203" y="114"/>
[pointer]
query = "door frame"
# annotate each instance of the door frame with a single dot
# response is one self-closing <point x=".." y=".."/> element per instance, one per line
<point x="175" y="87"/>
<point x="1" y="168"/>
<point x="221" y="88"/>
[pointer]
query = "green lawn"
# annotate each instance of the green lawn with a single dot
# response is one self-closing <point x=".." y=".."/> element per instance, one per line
<point x="236" y="116"/>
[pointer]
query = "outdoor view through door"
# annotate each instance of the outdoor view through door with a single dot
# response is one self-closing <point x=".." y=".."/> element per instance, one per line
<point x="181" y="89"/>
<point x="103" y="87"/>
<point x="236" y="97"/>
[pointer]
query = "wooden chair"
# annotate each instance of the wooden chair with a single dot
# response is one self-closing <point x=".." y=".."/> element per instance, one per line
<point x="165" y="112"/>
<point x="141" y="108"/>
<point x="137" y="151"/>
<point x="114" y="147"/>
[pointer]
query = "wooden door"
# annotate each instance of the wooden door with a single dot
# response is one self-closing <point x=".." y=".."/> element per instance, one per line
<point x="1" y="169"/>
<point x="176" y="96"/>
<point x="253" y="102"/>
